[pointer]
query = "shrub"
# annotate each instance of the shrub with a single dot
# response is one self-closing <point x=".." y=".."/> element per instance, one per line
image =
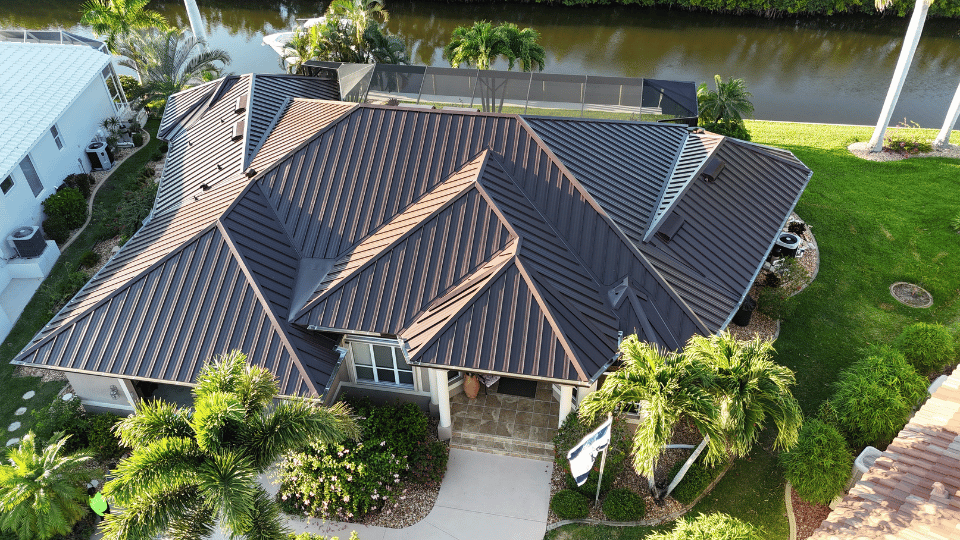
<point x="624" y="505"/>
<point x="929" y="347"/>
<point x="737" y="130"/>
<point x="820" y="465"/>
<point x="66" y="210"/>
<point x="156" y="106"/>
<point x="163" y="147"/>
<point x="775" y="303"/>
<point x="612" y="468"/>
<point x="131" y="87"/>
<point x="59" y="292"/>
<point x="66" y="416"/>
<point x="402" y="426"/>
<point x="905" y="139"/>
<point x="827" y="413"/>
<point x="137" y="138"/>
<point x="135" y="207"/>
<point x="569" y="504"/>
<point x="875" y="395"/>
<point x="428" y="462"/>
<point x="103" y="442"/>
<point x="696" y="480"/>
<point x="81" y="181"/>
<point x="955" y="223"/>
<point x="797" y="227"/>
<point x="714" y="526"/>
<point x="311" y="536"/>
<point x="571" y="432"/>
<point x="89" y="259"/>
<point x="148" y="172"/>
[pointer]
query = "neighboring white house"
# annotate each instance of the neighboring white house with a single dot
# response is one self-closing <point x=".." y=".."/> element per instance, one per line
<point x="55" y="91"/>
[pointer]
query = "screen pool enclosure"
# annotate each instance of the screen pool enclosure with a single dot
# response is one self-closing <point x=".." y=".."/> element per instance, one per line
<point x="547" y="94"/>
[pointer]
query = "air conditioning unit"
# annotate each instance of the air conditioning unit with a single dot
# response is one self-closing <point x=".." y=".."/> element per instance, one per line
<point x="28" y="241"/>
<point x="98" y="156"/>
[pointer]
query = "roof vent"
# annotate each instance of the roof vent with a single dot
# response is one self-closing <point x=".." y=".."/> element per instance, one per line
<point x="250" y="172"/>
<point x="241" y="104"/>
<point x="205" y="187"/>
<point x="713" y="170"/>
<point x="670" y="226"/>
<point x="238" y="129"/>
<point x="617" y="293"/>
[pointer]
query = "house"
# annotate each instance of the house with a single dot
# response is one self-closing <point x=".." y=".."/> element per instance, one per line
<point x="55" y="89"/>
<point x="389" y="249"/>
<point x="912" y="490"/>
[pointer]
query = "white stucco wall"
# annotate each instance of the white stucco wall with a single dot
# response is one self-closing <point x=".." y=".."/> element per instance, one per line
<point x="103" y="392"/>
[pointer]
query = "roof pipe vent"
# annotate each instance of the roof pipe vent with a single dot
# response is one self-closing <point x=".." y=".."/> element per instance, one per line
<point x="713" y="170"/>
<point x="205" y="187"/>
<point x="250" y="172"/>
<point x="238" y="130"/>
<point x="671" y="225"/>
<point x="240" y="105"/>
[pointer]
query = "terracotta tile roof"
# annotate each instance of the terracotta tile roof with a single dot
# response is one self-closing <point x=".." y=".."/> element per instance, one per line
<point x="913" y="490"/>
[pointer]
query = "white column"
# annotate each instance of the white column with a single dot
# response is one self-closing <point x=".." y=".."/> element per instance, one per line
<point x="943" y="138"/>
<point x="443" y="394"/>
<point x="434" y="395"/>
<point x="196" y="22"/>
<point x="566" y="402"/>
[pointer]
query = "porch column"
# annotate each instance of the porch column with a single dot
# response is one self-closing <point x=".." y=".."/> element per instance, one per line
<point x="445" y="429"/>
<point x="566" y="402"/>
<point x="434" y="395"/>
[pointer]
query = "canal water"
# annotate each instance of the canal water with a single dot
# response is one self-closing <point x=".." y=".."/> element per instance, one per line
<point x="822" y="69"/>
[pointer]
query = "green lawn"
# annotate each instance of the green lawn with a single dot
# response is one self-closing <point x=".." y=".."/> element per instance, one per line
<point x="39" y="311"/>
<point x="875" y="223"/>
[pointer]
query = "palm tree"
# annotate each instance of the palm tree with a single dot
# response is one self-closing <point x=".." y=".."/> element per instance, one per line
<point x="910" y="42"/>
<point x="523" y="46"/>
<point x="114" y="19"/>
<point x="730" y="102"/>
<point x="477" y="45"/>
<point x="751" y="388"/>
<point x="43" y="495"/>
<point x="191" y="469"/>
<point x="170" y="61"/>
<point x="943" y="137"/>
<point x="359" y="14"/>
<point x="671" y="386"/>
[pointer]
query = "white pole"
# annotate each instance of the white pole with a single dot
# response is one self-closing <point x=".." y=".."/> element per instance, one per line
<point x="566" y="402"/>
<point x="443" y="393"/>
<point x="196" y="22"/>
<point x="900" y="74"/>
<point x="603" y="460"/>
<point x="943" y="138"/>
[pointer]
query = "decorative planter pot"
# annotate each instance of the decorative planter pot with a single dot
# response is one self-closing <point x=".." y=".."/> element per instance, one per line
<point x="471" y="386"/>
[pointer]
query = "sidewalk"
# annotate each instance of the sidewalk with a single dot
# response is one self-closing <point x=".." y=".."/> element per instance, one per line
<point x="483" y="496"/>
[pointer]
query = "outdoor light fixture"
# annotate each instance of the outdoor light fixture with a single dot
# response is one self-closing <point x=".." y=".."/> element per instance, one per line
<point x="114" y="391"/>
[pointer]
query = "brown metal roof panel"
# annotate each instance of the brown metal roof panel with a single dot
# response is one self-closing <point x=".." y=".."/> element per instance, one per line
<point x="300" y="121"/>
<point x="180" y="105"/>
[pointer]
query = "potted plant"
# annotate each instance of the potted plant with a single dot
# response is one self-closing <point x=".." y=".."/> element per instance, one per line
<point x="471" y="385"/>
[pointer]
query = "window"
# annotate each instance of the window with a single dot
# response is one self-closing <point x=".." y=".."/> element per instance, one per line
<point x="7" y="185"/>
<point x="113" y="86"/>
<point x="381" y="364"/>
<point x="56" y="136"/>
<point x="454" y="376"/>
<point x="31" y="173"/>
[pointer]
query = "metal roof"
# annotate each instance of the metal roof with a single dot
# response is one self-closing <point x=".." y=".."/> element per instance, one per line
<point x="476" y="240"/>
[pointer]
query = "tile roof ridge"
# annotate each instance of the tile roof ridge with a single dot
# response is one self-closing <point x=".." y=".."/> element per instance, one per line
<point x="275" y="321"/>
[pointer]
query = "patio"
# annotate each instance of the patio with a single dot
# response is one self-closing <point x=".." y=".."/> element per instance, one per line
<point x="506" y="424"/>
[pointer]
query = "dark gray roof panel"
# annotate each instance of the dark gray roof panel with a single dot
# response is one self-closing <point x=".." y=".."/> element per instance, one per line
<point x="181" y="105"/>
<point x="623" y="165"/>
<point x="696" y="149"/>
<point x="270" y="92"/>
<point x="296" y="122"/>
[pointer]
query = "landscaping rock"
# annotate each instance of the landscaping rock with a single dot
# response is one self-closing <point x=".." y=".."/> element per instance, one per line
<point x="20" y="411"/>
<point x="29" y="394"/>
<point x="14" y="426"/>
<point x="13" y="441"/>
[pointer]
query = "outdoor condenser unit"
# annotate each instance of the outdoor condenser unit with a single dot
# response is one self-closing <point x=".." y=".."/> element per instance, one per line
<point x="28" y="241"/>
<point x="98" y="156"/>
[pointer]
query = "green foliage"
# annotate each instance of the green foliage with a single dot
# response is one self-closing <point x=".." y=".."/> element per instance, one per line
<point x="66" y="210"/>
<point x="58" y="293"/>
<point x="875" y="395"/>
<point x="102" y="440"/>
<point x="481" y="44"/>
<point x="734" y="129"/>
<point x="311" y="536"/>
<point x="64" y="417"/>
<point x="81" y="181"/>
<point x="905" y="139"/>
<point x="695" y="481"/>
<point x="131" y="87"/>
<point x="169" y="61"/>
<point x="163" y="147"/>
<point x="89" y="259"/>
<point x="575" y="428"/>
<point x="827" y="413"/>
<point x="710" y="527"/>
<point x="611" y="469"/>
<point x="728" y="103"/>
<point x="776" y="303"/>
<point x="821" y="463"/>
<point x="156" y="106"/>
<point x="569" y="504"/>
<point x="929" y="347"/>
<point x="346" y="481"/>
<point x="135" y="207"/>
<point x="137" y="139"/>
<point x="42" y="492"/>
<point x="114" y="19"/>
<point x="955" y="222"/>
<point x="624" y="505"/>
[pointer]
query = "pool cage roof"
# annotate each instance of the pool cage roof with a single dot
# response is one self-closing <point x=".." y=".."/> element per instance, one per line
<point x="547" y="94"/>
<point x="61" y="37"/>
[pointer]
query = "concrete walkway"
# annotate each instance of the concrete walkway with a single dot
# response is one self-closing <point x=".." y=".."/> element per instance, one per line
<point x="483" y="496"/>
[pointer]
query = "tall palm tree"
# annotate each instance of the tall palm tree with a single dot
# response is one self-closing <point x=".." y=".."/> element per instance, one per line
<point x="670" y="386"/>
<point x="730" y="102"/>
<point x="477" y="45"/>
<point x="910" y="42"/>
<point x="943" y="137"/>
<point x="360" y="14"/>
<point x="523" y="46"/>
<point x="114" y="19"/>
<point x="193" y="468"/>
<point x="170" y="61"/>
<point x="751" y="388"/>
<point x="43" y="495"/>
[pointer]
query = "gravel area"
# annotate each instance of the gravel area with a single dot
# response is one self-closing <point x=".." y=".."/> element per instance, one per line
<point x="415" y="502"/>
<point x="862" y="150"/>
<point x="809" y="516"/>
<point x="46" y="375"/>
<point x="104" y="249"/>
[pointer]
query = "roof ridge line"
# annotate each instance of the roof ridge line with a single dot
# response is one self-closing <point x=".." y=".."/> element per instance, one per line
<point x="266" y="133"/>
<point x="126" y="285"/>
<point x="247" y="117"/>
<point x="446" y="204"/>
<point x="500" y="269"/>
<point x="548" y="315"/>
<point x="268" y="308"/>
<point x="623" y="237"/>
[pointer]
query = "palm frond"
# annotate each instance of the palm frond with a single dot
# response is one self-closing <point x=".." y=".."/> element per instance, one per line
<point x="152" y="421"/>
<point x="150" y="514"/>
<point x="163" y="465"/>
<point x="228" y="482"/>
<point x="291" y="424"/>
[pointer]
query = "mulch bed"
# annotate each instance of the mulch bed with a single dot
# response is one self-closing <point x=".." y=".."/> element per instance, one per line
<point x="809" y="516"/>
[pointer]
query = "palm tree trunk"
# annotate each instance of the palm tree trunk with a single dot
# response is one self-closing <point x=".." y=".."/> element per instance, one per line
<point x="900" y="74"/>
<point x="943" y="138"/>
<point x="196" y="22"/>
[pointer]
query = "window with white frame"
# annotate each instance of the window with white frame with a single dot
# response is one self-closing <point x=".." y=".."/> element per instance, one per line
<point x="378" y="363"/>
<point x="30" y="172"/>
<point x="113" y="86"/>
<point x="56" y="136"/>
